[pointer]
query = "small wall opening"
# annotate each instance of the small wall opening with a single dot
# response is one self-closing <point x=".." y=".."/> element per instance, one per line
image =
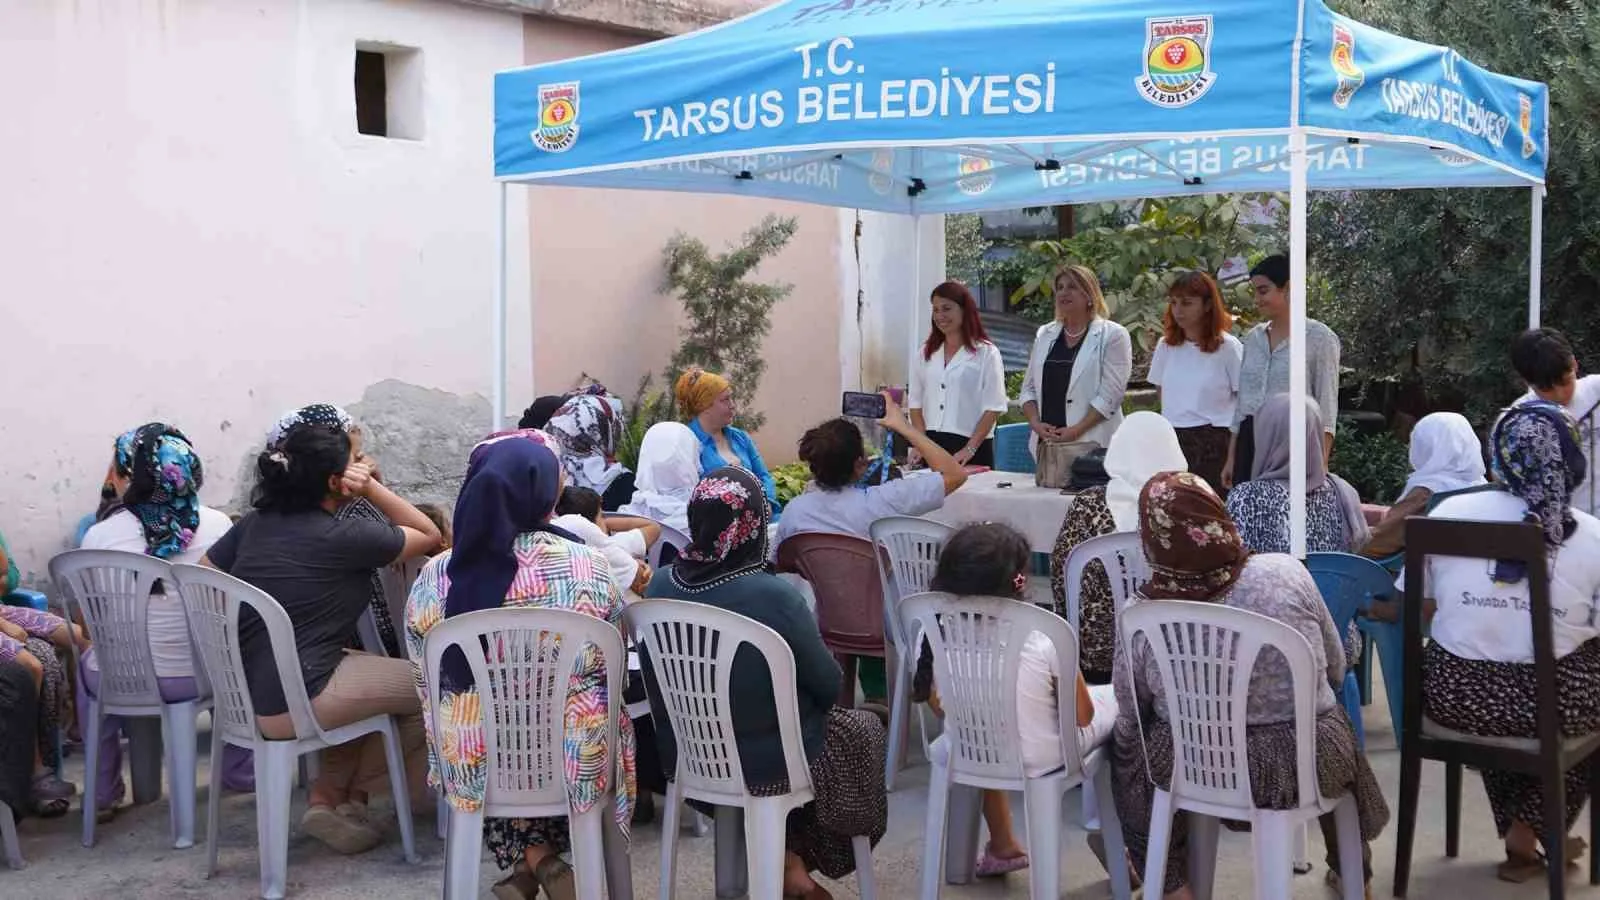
<point x="388" y="91"/>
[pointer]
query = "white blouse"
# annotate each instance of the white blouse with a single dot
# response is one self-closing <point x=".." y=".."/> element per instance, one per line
<point x="954" y="396"/>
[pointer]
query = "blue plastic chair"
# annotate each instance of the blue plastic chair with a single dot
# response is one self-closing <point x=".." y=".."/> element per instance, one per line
<point x="1011" y="448"/>
<point x="1348" y="584"/>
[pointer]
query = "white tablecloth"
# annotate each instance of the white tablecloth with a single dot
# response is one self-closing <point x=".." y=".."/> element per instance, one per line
<point x="1036" y="512"/>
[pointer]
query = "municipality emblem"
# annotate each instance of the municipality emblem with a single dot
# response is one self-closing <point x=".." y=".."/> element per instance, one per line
<point x="558" y="117"/>
<point x="1177" y="61"/>
<point x="1348" y="75"/>
<point x="976" y="174"/>
<point x="882" y="177"/>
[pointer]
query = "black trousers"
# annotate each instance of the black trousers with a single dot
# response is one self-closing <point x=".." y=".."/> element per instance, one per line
<point x="1244" y="450"/>
<point x="952" y="442"/>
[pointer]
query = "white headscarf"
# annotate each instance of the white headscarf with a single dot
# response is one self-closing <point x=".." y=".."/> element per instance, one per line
<point x="1445" y="454"/>
<point x="669" y="468"/>
<point x="1143" y="446"/>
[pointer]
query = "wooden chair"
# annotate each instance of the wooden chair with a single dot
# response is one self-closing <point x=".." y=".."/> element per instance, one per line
<point x="1548" y="756"/>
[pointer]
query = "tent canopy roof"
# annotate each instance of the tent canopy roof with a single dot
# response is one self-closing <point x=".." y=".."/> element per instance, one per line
<point x="927" y="106"/>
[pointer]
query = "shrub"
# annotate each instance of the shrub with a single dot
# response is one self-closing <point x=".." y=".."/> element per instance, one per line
<point x="791" y="480"/>
<point x="1376" y="465"/>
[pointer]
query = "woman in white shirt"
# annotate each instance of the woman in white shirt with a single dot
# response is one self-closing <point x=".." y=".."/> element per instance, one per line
<point x="1478" y="670"/>
<point x="1196" y="372"/>
<point x="1079" y="367"/>
<point x="959" y="391"/>
<point x="156" y="477"/>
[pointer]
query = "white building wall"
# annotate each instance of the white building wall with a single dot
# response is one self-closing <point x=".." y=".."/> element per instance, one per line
<point x="194" y="232"/>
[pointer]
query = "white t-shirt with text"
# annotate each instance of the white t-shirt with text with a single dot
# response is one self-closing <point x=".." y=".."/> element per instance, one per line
<point x="1480" y="619"/>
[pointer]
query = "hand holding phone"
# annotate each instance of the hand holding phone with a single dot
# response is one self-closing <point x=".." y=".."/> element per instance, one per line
<point x="865" y="406"/>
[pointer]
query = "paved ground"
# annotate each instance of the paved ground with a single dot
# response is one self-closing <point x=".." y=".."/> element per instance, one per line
<point x="133" y="860"/>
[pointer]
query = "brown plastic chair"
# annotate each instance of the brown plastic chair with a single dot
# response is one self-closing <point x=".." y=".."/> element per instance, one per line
<point x="1547" y="757"/>
<point x="843" y="572"/>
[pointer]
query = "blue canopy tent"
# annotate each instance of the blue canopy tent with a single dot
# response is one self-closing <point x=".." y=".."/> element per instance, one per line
<point x="937" y="106"/>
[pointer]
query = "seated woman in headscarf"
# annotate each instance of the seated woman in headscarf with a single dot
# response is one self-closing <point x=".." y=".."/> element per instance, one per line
<point x="725" y="567"/>
<point x="327" y="415"/>
<point x="1144" y="445"/>
<point x="318" y="565"/>
<point x="1196" y="554"/>
<point x="706" y="399"/>
<point x="155" y="476"/>
<point x="1260" y="506"/>
<point x="507" y="554"/>
<point x="669" y="468"/>
<point x="1478" y="669"/>
<point x="586" y="427"/>
<point x="1445" y="456"/>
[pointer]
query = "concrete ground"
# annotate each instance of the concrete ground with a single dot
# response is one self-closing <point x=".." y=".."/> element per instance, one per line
<point x="133" y="858"/>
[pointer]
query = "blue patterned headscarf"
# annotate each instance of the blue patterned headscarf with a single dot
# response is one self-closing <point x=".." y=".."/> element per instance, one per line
<point x="1538" y="458"/>
<point x="165" y="492"/>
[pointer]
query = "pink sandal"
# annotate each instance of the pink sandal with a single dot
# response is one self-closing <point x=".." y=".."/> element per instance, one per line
<point x="991" y="866"/>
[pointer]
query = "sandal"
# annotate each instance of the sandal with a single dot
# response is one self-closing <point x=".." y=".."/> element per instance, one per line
<point x="555" y="876"/>
<point x="519" y="885"/>
<point x="1097" y="846"/>
<point x="991" y="866"/>
<point x="1519" y="868"/>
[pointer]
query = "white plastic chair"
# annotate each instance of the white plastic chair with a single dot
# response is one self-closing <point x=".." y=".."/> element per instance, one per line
<point x="670" y="537"/>
<point x="1126" y="569"/>
<point x="111" y="588"/>
<point x="691" y="647"/>
<point x="908" y="554"/>
<point x="213" y="602"/>
<point x="521" y="661"/>
<point x="977" y="656"/>
<point x="1206" y="653"/>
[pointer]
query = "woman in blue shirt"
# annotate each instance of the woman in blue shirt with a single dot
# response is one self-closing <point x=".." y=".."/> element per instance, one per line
<point x="706" y="398"/>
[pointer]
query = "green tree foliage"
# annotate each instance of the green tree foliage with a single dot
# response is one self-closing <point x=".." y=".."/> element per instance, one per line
<point x="728" y="315"/>
<point x="1430" y="286"/>
<point x="1137" y="256"/>
<point x="964" y="248"/>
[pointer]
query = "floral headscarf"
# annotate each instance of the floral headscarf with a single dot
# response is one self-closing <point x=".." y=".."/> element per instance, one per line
<point x="585" y="429"/>
<point x="165" y="492"/>
<point x="1194" y="551"/>
<point x="324" y="414"/>
<point x="1538" y="457"/>
<point x="728" y="518"/>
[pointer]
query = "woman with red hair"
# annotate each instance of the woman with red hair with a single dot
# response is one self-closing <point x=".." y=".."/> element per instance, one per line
<point x="959" y="391"/>
<point x="1196" y="372"/>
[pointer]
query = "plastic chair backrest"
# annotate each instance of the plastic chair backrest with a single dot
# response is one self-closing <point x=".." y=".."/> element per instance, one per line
<point x="1206" y="653"/>
<point x="111" y="588"/>
<point x="1348" y="584"/>
<point x="841" y="570"/>
<point x="908" y="555"/>
<point x="690" y="648"/>
<point x="1011" y="452"/>
<point x="977" y="657"/>
<point x="1123" y="559"/>
<point x="213" y="602"/>
<point x="522" y="661"/>
<point x="670" y="537"/>
<point x="397" y="580"/>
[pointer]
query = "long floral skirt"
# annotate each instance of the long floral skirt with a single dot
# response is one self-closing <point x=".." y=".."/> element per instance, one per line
<point x="1341" y="768"/>
<point x="1497" y="699"/>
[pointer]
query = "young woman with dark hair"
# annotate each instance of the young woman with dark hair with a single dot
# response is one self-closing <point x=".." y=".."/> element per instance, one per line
<point x="959" y="391"/>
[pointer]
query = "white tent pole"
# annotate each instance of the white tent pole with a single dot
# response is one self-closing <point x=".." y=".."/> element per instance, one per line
<point x="1535" y="255"/>
<point x="1297" y="343"/>
<point x="913" y="317"/>
<point x="497" y="390"/>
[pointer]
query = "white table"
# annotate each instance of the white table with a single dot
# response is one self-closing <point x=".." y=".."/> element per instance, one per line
<point x="1035" y="511"/>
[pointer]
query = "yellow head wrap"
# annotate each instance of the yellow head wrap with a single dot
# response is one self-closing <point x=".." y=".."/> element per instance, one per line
<point x="697" y="389"/>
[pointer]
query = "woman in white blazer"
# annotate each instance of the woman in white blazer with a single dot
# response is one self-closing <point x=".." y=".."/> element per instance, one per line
<point x="1079" y="367"/>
